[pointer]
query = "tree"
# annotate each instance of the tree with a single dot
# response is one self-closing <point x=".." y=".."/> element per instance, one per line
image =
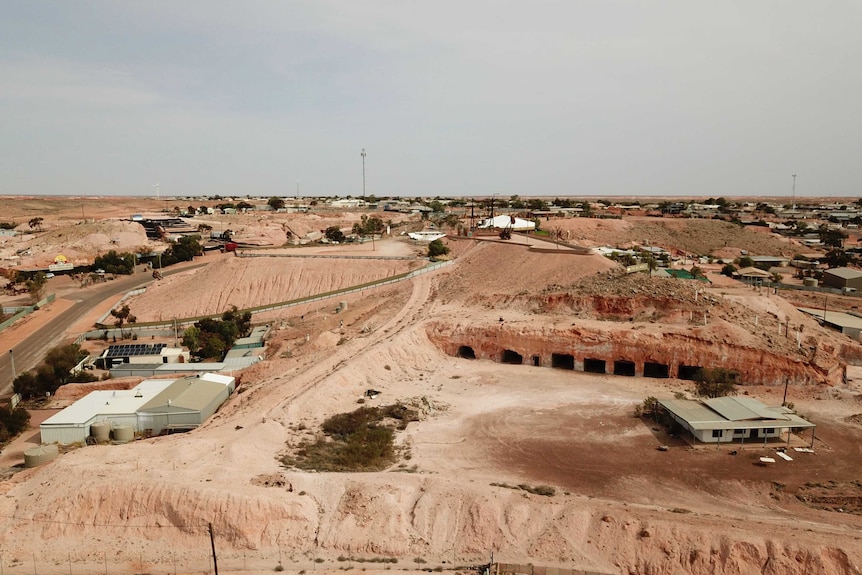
<point x="515" y="202"/>
<point x="334" y="234"/>
<point x="728" y="270"/>
<point x="36" y="286"/>
<point x="537" y="204"/>
<point x="123" y="315"/>
<point x="183" y="250"/>
<point x="204" y="228"/>
<point x="36" y="223"/>
<point x="368" y="226"/>
<point x="746" y="262"/>
<point x="696" y="272"/>
<point x="116" y="263"/>
<point x="276" y="203"/>
<point x="54" y="371"/>
<point x="836" y="258"/>
<point x="715" y="382"/>
<point x="832" y="238"/>
<point x="437" y="248"/>
<point x="437" y="206"/>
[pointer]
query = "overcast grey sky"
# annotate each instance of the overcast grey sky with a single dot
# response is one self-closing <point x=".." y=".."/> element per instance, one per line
<point x="451" y="98"/>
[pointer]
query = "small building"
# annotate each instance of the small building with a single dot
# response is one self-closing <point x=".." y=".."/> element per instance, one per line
<point x="753" y="275"/>
<point x="727" y="419"/>
<point x="142" y="353"/>
<point x="843" y="278"/>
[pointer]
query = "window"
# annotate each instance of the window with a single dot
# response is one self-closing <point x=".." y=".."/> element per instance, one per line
<point x="717" y="433"/>
<point x="739" y="432"/>
<point x="769" y="430"/>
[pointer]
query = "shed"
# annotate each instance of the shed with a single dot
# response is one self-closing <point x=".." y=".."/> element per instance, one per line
<point x="186" y="403"/>
<point x="842" y="278"/>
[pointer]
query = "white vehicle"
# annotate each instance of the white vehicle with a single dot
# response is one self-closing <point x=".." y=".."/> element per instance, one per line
<point x="49" y="275"/>
<point x="426" y="235"/>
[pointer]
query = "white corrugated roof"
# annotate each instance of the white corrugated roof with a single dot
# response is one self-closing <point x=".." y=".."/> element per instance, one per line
<point x="109" y="402"/>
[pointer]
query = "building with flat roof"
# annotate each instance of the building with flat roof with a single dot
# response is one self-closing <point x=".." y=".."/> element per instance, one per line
<point x="728" y="419"/>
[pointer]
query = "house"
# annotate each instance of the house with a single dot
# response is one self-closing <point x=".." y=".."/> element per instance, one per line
<point x="843" y="278"/>
<point x="753" y="275"/>
<point x="727" y="419"/>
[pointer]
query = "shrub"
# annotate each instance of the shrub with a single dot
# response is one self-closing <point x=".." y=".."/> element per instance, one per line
<point x="437" y="248"/>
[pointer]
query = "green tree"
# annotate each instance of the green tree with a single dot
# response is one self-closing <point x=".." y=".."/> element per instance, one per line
<point x="745" y="262"/>
<point x="832" y="238"/>
<point x="437" y="248"/>
<point x="122" y="316"/>
<point x="437" y="206"/>
<point x="183" y="250"/>
<point x="728" y="270"/>
<point x="12" y="422"/>
<point x="334" y="234"/>
<point x="836" y="258"/>
<point x="36" y="223"/>
<point x="537" y="204"/>
<point x="116" y="263"/>
<point x="54" y="371"/>
<point x="368" y="226"/>
<point x="36" y="286"/>
<point x="276" y="203"/>
<point x="715" y="382"/>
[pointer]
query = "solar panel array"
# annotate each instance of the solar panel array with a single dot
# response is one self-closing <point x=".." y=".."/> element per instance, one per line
<point x="135" y="349"/>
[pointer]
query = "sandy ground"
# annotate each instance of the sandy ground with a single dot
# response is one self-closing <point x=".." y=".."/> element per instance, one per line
<point x="621" y="505"/>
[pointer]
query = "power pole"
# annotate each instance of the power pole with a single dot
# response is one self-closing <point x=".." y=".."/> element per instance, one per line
<point x="212" y="543"/>
<point x="363" y="172"/>
<point x="794" y="192"/>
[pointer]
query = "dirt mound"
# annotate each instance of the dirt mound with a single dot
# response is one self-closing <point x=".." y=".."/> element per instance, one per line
<point x="492" y="269"/>
<point x="691" y="236"/>
<point x="250" y="282"/>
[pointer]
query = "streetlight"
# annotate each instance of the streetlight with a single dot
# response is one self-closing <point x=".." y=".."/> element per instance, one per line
<point x="363" y="172"/>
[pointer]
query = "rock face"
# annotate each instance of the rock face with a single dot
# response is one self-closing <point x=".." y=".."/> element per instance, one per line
<point x="653" y="354"/>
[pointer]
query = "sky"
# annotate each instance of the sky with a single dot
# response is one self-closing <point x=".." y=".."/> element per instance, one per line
<point x="582" y="98"/>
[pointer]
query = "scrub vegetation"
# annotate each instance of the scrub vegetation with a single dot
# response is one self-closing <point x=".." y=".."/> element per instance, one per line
<point x="361" y="440"/>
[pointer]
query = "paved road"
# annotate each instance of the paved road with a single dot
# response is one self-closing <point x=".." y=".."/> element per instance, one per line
<point x="30" y="351"/>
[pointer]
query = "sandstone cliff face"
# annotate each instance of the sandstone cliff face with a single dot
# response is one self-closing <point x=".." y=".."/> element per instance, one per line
<point x="673" y="349"/>
<point x="420" y="517"/>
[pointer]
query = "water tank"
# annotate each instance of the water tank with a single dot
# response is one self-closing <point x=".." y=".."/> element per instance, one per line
<point x="101" y="431"/>
<point x="40" y="455"/>
<point x="809" y="282"/>
<point x="123" y="434"/>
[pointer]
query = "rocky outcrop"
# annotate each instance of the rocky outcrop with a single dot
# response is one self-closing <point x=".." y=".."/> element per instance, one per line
<point x="673" y="349"/>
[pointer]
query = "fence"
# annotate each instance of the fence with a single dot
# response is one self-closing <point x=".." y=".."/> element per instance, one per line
<point x="529" y="569"/>
<point x="158" y="328"/>
<point x="26" y="310"/>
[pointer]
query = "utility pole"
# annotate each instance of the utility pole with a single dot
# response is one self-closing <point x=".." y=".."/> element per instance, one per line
<point x="794" y="192"/>
<point x="363" y="172"/>
<point x="12" y="359"/>
<point x="212" y="543"/>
